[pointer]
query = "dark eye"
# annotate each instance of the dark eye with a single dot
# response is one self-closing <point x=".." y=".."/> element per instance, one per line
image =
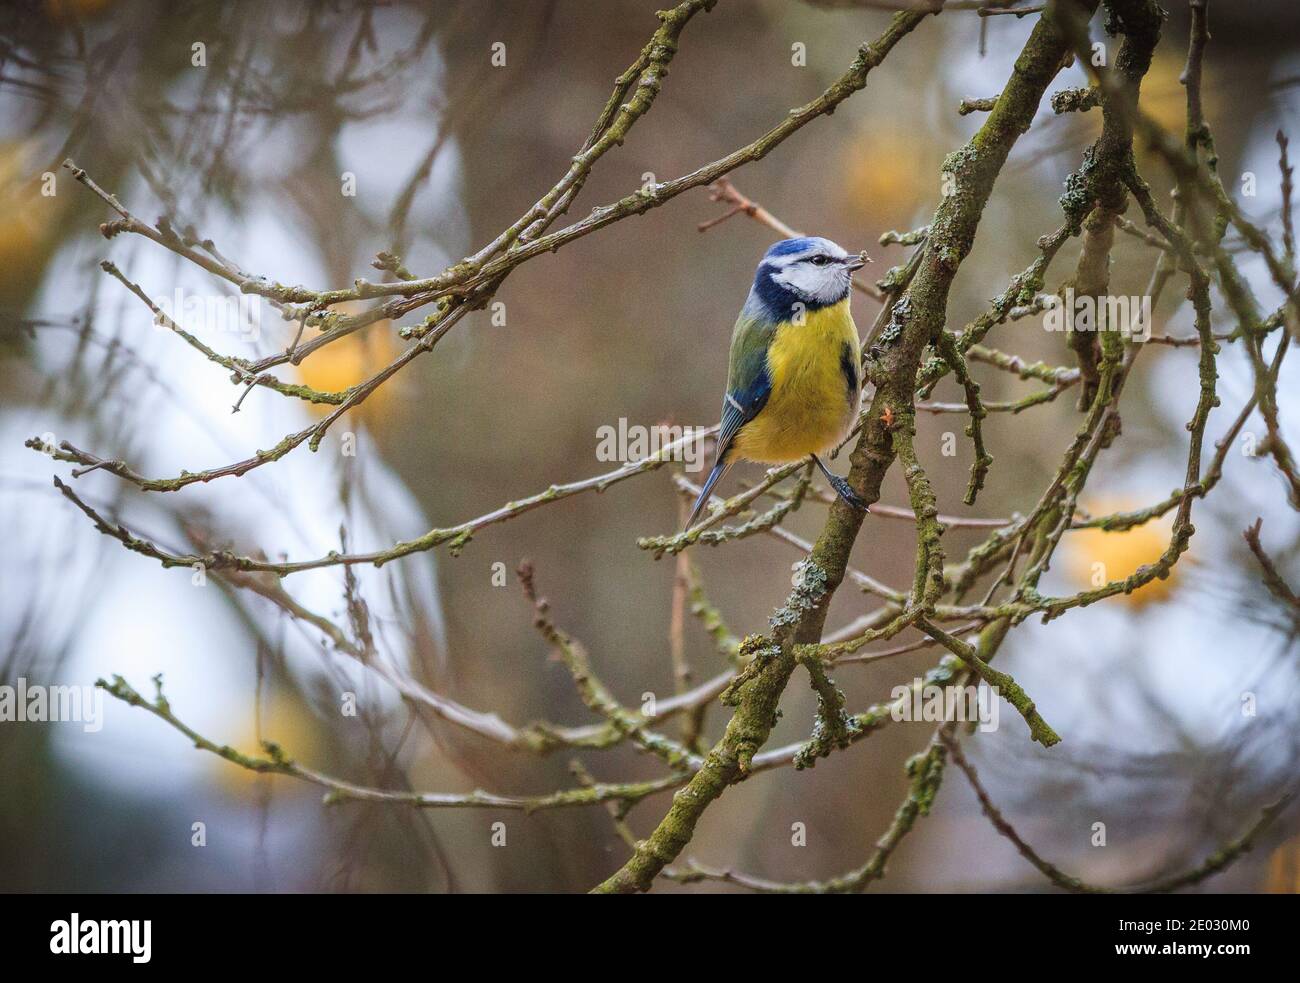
<point x="819" y="260"/>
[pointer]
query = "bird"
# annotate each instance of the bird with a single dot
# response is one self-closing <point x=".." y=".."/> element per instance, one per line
<point x="794" y="378"/>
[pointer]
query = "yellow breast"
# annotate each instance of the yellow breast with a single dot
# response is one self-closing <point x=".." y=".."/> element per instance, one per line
<point x="810" y="407"/>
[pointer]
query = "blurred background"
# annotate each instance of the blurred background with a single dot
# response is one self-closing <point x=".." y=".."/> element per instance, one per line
<point x="445" y="148"/>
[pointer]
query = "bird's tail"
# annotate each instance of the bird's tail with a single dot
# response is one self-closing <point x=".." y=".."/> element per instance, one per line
<point x="718" y="471"/>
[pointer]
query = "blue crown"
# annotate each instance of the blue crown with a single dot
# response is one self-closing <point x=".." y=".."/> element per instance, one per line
<point x="788" y="246"/>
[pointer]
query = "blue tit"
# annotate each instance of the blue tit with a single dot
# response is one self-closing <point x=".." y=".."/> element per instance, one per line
<point x="794" y="381"/>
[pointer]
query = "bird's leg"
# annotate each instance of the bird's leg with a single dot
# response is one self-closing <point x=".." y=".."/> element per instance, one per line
<point x="842" y="487"/>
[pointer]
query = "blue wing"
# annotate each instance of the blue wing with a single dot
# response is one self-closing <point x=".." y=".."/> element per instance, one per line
<point x="748" y="386"/>
<point x="748" y="382"/>
<point x="740" y="406"/>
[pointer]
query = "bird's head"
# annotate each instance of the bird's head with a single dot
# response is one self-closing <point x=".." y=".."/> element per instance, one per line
<point x="810" y="270"/>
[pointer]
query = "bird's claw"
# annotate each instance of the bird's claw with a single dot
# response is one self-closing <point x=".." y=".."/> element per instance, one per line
<point x="845" y="492"/>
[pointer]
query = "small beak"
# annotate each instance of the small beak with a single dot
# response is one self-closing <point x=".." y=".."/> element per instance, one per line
<point x="857" y="262"/>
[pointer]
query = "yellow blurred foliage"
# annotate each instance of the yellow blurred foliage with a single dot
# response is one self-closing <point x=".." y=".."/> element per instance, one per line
<point x="351" y="360"/>
<point x="1093" y="556"/>
<point x="1165" y="98"/>
<point x="287" y="722"/>
<point x="885" y="172"/>
<point x="27" y="218"/>
<point x="1284" y="869"/>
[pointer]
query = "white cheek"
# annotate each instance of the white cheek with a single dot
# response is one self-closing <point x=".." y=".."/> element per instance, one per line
<point x="822" y="284"/>
<point x="802" y="279"/>
<point x="831" y="284"/>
